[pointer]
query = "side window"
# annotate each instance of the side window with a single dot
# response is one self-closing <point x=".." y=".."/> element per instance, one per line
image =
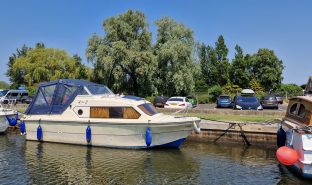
<point x="114" y="112"/>
<point x="301" y="111"/>
<point x="293" y="109"/>
<point x="130" y="113"/>
<point x="99" y="112"/>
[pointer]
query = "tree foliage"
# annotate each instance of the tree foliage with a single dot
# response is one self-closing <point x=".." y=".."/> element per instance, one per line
<point x="214" y="63"/>
<point x="4" y="85"/>
<point x="268" y="69"/>
<point x="290" y="90"/>
<point x="255" y="85"/>
<point x="240" y="68"/>
<point x="34" y="65"/>
<point x="123" y="58"/>
<point x="173" y="51"/>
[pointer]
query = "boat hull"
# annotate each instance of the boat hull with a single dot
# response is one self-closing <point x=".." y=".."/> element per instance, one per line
<point x="115" y="135"/>
<point x="302" y="144"/>
<point x="3" y="124"/>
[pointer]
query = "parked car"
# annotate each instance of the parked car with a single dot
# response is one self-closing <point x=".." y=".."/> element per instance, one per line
<point x="28" y="100"/>
<point x="192" y="100"/>
<point x="246" y="103"/>
<point x="279" y="98"/>
<point x="160" y="101"/>
<point x="269" y="102"/>
<point x="14" y="96"/>
<point x="224" y="101"/>
<point x="177" y="103"/>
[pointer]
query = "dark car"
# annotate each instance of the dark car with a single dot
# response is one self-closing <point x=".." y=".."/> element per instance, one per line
<point x="279" y="99"/>
<point x="28" y="99"/>
<point x="224" y="101"/>
<point x="192" y="100"/>
<point x="160" y="101"/>
<point x="246" y="103"/>
<point x="269" y="102"/>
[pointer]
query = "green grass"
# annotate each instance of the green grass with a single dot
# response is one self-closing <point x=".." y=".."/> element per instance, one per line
<point x="240" y="118"/>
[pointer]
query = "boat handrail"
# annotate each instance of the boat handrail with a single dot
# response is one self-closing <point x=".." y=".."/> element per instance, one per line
<point x="182" y="111"/>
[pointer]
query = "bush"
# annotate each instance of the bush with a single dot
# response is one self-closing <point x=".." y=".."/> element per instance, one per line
<point x="214" y="92"/>
<point x="203" y="98"/>
<point x="150" y="98"/>
<point x="290" y="90"/>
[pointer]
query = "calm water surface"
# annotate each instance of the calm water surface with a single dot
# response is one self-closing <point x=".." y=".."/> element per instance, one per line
<point x="26" y="162"/>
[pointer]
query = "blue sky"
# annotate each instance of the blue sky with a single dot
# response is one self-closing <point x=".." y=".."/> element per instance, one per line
<point x="284" y="26"/>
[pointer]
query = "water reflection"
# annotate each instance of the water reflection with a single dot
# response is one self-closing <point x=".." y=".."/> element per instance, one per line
<point x="59" y="163"/>
<point x="26" y="162"/>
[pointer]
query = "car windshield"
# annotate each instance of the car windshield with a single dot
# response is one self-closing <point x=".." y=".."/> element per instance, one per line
<point x="224" y="97"/>
<point x="249" y="99"/>
<point x="175" y="99"/>
<point x="269" y="98"/>
<point x="3" y="93"/>
<point x="99" y="89"/>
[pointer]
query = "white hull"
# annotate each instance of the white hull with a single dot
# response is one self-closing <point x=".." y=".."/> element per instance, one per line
<point x="3" y="124"/>
<point x="117" y="135"/>
<point x="302" y="144"/>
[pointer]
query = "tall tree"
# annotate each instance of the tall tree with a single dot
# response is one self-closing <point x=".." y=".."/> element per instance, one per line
<point x="123" y="58"/>
<point x="174" y="56"/>
<point x="16" y="76"/>
<point x="214" y="63"/>
<point x="44" y="64"/>
<point x="222" y="65"/>
<point x="240" y="69"/>
<point x="268" y="69"/>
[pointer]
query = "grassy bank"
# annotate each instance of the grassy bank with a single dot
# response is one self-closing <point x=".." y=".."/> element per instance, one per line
<point x="240" y="118"/>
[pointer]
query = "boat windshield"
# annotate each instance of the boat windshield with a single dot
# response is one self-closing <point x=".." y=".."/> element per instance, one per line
<point x="148" y="109"/>
<point x="99" y="89"/>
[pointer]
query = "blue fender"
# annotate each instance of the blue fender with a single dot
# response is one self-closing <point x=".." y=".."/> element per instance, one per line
<point x="88" y="134"/>
<point x="22" y="127"/>
<point x="281" y="137"/>
<point x="148" y="136"/>
<point x="39" y="133"/>
<point x="12" y="121"/>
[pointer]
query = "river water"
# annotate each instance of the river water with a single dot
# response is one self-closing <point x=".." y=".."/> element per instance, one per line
<point x="28" y="162"/>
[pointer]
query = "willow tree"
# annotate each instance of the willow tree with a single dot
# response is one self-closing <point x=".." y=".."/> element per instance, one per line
<point x="123" y="58"/>
<point x="173" y="50"/>
<point x="45" y="64"/>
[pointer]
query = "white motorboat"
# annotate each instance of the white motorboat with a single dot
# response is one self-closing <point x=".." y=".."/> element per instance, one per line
<point x="8" y="117"/>
<point x="296" y="134"/>
<point x="82" y="112"/>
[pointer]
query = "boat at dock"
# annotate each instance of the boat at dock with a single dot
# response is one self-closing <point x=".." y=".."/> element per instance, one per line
<point x="294" y="137"/>
<point x="81" y="112"/>
<point x="8" y="117"/>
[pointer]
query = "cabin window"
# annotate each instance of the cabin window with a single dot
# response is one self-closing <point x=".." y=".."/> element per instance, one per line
<point x="293" y="109"/>
<point x="301" y="111"/>
<point x="148" y="109"/>
<point x="114" y="112"/>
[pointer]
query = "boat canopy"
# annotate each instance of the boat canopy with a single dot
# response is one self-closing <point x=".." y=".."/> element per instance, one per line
<point x="55" y="96"/>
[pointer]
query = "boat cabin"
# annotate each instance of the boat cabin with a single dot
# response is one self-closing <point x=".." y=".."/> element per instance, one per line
<point x="54" y="97"/>
<point x="299" y="110"/>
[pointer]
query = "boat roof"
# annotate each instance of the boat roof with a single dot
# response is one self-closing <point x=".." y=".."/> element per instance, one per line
<point x="306" y="98"/>
<point x="55" y="96"/>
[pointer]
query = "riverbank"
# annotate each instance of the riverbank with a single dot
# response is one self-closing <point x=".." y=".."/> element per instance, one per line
<point x="237" y="132"/>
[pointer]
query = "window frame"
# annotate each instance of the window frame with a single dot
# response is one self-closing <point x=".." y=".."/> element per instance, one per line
<point x="108" y="112"/>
